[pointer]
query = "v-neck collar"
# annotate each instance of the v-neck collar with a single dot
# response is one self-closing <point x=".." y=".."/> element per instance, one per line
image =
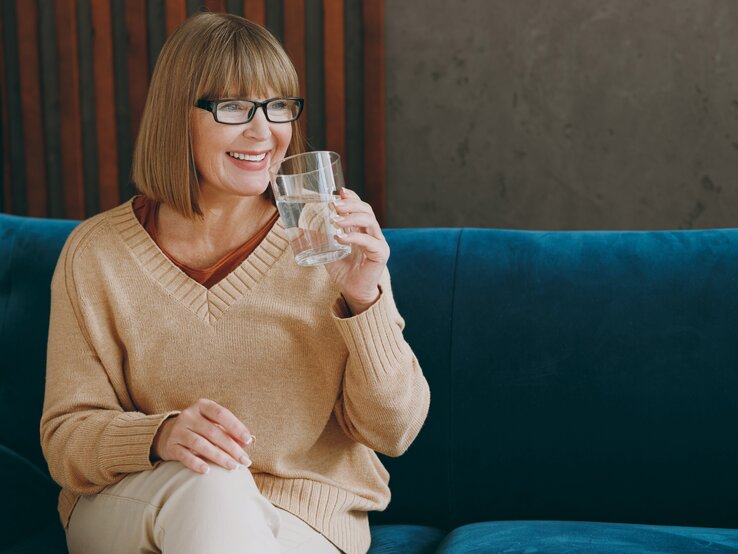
<point x="208" y="304"/>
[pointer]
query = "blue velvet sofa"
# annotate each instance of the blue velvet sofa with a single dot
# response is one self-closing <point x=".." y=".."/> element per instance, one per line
<point x="584" y="391"/>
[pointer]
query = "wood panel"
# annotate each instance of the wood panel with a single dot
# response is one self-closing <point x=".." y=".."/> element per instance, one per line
<point x="216" y="6"/>
<point x="47" y="133"/>
<point x="314" y="117"/>
<point x="138" y="61"/>
<point x="374" y="154"/>
<point x="70" y="116"/>
<point x="334" y="59"/>
<point x="176" y="13"/>
<point x="7" y="194"/>
<point x="31" y="106"/>
<point x="105" y="124"/>
<point x="157" y="31"/>
<point x="255" y="10"/>
<point x="354" y="70"/>
<point x="294" y="44"/>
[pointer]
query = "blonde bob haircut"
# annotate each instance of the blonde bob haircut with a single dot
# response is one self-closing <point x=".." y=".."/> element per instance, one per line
<point x="210" y="55"/>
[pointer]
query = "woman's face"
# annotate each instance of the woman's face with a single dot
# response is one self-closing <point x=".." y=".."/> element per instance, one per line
<point x="213" y="143"/>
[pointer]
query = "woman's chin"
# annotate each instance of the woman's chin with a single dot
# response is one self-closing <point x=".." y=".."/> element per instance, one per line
<point x="255" y="191"/>
<point x="252" y="188"/>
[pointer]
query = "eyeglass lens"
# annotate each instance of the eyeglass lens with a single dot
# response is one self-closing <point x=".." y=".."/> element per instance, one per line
<point x="241" y="111"/>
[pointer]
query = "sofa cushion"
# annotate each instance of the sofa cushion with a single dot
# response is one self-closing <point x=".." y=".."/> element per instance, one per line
<point x="47" y="540"/>
<point x="593" y="377"/>
<point x="408" y="539"/>
<point x="554" y="537"/>
<point x="29" y="499"/>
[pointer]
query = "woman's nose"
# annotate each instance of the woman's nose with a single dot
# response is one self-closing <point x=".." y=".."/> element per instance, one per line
<point x="258" y="128"/>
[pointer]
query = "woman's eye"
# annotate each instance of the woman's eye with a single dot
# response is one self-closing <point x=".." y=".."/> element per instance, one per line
<point x="232" y="107"/>
<point x="281" y="105"/>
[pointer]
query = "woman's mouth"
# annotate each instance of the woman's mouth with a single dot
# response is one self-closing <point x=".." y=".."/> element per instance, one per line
<point x="247" y="157"/>
<point x="253" y="161"/>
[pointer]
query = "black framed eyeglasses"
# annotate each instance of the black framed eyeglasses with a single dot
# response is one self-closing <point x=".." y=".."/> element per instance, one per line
<point x="237" y="111"/>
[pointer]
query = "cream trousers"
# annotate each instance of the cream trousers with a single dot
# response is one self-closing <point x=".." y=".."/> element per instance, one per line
<point x="173" y="510"/>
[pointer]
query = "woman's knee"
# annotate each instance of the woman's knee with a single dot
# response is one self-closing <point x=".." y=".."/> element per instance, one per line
<point x="218" y="485"/>
<point x="220" y="504"/>
<point x="222" y="493"/>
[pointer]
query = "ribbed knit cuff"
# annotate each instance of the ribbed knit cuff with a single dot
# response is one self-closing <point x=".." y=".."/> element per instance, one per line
<point x="373" y="337"/>
<point x="126" y="442"/>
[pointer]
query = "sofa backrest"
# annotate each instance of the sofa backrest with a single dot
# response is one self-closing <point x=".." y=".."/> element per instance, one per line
<point x="574" y="375"/>
<point x="29" y="249"/>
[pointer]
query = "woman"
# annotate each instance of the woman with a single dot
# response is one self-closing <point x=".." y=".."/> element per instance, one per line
<point x="181" y="328"/>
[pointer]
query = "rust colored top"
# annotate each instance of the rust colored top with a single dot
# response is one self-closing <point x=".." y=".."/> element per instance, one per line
<point x="147" y="212"/>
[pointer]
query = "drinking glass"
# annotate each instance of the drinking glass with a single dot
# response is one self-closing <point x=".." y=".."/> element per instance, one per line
<point x="306" y="187"/>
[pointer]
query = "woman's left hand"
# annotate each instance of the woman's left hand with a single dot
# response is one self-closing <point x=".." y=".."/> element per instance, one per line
<point x="357" y="275"/>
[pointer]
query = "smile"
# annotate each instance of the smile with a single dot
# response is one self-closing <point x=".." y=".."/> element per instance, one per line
<point x="247" y="157"/>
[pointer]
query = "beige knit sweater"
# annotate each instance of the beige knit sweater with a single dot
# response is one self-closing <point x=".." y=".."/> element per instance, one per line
<point x="133" y="340"/>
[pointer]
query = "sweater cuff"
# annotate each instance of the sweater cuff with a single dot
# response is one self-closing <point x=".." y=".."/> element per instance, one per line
<point x="373" y="337"/>
<point x="127" y="440"/>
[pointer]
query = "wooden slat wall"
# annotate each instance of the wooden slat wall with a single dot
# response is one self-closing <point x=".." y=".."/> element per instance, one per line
<point x="6" y="193"/>
<point x="30" y="90"/>
<point x="120" y="74"/>
<point x="255" y="10"/>
<point x="107" y="141"/>
<point x="176" y="13"/>
<point x="138" y="60"/>
<point x="69" y="108"/>
<point x="215" y="6"/>
<point x="334" y="61"/>
<point x="294" y="44"/>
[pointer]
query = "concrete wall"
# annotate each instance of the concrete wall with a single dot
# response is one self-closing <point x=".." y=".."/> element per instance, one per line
<point x="562" y="114"/>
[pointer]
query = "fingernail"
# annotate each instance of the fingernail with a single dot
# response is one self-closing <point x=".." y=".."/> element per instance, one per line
<point x="232" y="465"/>
<point x="205" y="469"/>
<point x="335" y="217"/>
<point x="248" y="439"/>
<point x="245" y="460"/>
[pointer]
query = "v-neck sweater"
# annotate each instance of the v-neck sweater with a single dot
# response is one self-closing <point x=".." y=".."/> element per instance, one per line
<point x="133" y="341"/>
<point x="146" y="211"/>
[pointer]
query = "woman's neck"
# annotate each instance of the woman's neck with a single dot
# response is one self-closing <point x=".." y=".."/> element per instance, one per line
<point x="223" y="227"/>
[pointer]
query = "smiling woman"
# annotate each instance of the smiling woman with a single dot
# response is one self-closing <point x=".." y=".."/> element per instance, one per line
<point x="181" y="327"/>
<point x="240" y="60"/>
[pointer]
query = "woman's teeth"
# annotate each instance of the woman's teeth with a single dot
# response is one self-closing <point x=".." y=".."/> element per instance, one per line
<point x="247" y="157"/>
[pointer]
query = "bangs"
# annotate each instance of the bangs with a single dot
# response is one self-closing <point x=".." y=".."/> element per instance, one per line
<point x="245" y="65"/>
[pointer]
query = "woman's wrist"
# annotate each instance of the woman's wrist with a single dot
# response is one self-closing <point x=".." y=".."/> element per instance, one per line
<point x="357" y="306"/>
<point x="155" y="453"/>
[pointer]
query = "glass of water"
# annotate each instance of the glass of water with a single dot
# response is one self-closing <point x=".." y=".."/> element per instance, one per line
<point x="306" y="187"/>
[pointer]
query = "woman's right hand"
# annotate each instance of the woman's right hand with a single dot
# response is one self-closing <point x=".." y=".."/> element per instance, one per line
<point x="205" y="431"/>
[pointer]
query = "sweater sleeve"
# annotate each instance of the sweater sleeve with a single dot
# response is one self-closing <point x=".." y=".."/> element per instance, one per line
<point x="88" y="439"/>
<point x="385" y="396"/>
